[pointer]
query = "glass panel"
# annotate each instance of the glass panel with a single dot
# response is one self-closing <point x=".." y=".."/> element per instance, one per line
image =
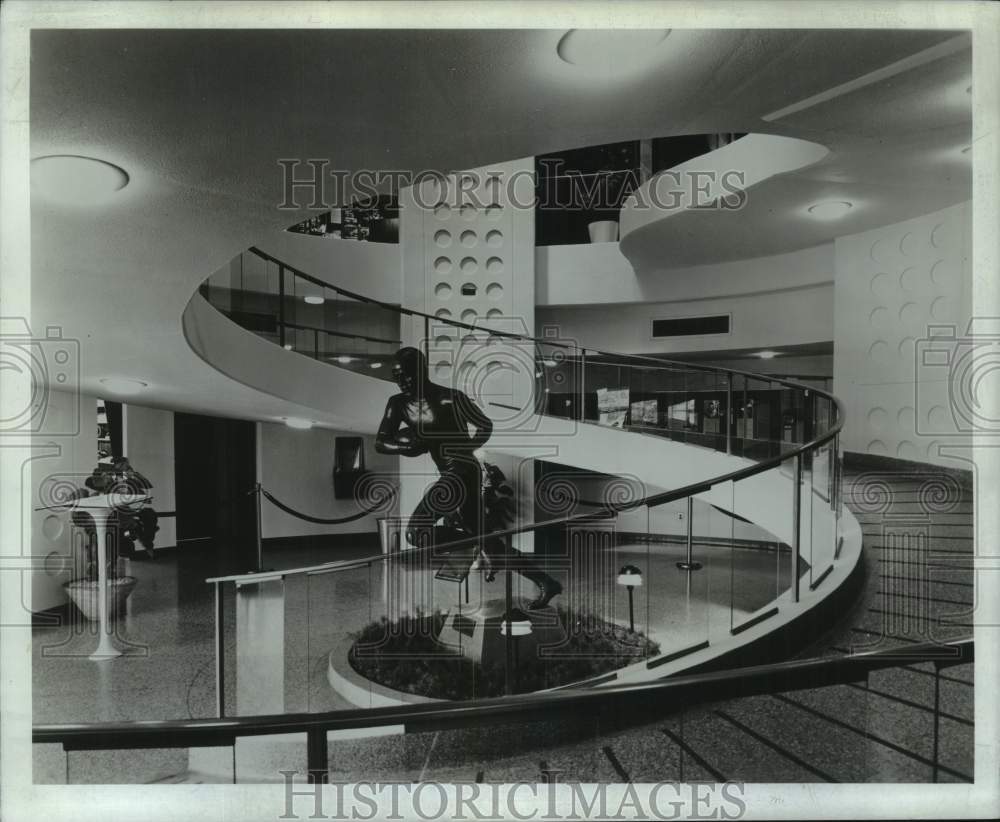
<point x="557" y="376"/>
<point x="806" y="519"/>
<point x="259" y="670"/>
<point x="765" y="542"/>
<point x="143" y="766"/>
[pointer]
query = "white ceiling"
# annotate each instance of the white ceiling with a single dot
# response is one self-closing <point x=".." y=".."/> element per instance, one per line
<point x="200" y="118"/>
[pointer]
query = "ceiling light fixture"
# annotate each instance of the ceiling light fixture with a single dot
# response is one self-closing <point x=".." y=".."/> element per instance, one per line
<point x="609" y="50"/>
<point x="119" y="385"/>
<point x="289" y="347"/>
<point x="375" y="365"/>
<point x="343" y="359"/>
<point x="298" y="423"/>
<point x="767" y="355"/>
<point x="549" y="363"/>
<point x="832" y="210"/>
<point x="76" y="180"/>
<point x="315" y="299"/>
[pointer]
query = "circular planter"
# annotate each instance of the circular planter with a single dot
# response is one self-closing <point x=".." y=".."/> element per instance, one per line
<point x="85" y="596"/>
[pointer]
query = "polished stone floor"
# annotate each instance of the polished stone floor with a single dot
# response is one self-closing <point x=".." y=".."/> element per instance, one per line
<point x="879" y="730"/>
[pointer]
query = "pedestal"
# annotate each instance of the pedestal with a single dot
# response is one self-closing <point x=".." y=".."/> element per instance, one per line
<point x="476" y="633"/>
<point x="101" y="508"/>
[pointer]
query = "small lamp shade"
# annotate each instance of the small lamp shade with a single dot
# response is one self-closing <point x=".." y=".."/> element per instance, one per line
<point x="519" y="622"/>
<point x="630" y="576"/>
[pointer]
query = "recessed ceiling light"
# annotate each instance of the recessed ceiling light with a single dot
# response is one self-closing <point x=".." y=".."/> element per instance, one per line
<point x="123" y="386"/>
<point x="289" y="347"/>
<point x="375" y="365"/>
<point x="767" y="355"/>
<point x="610" y="50"/>
<point x="296" y="422"/>
<point x="315" y="299"/>
<point x="76" y="180"/>
<point x="832" y="210"/>
<point x="343" y="359"/>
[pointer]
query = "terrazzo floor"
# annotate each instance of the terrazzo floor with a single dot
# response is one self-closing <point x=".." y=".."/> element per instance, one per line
<point x="877" y="730"/>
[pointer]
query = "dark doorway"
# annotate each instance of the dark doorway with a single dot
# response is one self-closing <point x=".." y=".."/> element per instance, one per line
<point x="215" y="468"/>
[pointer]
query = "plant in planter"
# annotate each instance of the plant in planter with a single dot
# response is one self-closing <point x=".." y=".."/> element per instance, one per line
<point x="128" y="526"/>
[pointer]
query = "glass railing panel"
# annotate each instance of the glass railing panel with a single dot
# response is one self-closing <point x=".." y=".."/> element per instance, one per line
<point x="559" y="387"/>
<point x="766" y="500"/>
<point x="258" y="671"/>
<point x="809" y="560"/>
<point x="606" y="398"/>
<point x="822" y="502"/>
<point x="142" y="766"/>
<point x="686" y="579"/>
<point x="759" y="557"/>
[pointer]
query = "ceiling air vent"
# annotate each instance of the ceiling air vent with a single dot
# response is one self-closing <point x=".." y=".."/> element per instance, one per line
<point x="691" y="326"/>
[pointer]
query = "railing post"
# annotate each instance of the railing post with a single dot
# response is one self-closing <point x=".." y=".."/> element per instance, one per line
<point x="689" y="563"/>
<point x="260" y="545"/>
<point x="796" y="525"/>
<point x="835" y="476"/>
<point x="315" y="343"/>
<point x="746" y="419"/>
<point x="730" y="416"/>
<point x="281" y="305"/>
<point x="583" y="385"/>
<point x="220" y="653"/>
<point x="508" y="682"/>
<point x="317" y="756"/>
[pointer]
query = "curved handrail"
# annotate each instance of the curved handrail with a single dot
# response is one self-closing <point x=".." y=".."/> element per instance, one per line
<point x="711" y="686"/>
<point x="413" y="312"/>
<point x="607" y="509"/>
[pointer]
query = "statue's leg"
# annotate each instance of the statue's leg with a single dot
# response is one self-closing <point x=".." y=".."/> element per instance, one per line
<point x="425" y="514"/>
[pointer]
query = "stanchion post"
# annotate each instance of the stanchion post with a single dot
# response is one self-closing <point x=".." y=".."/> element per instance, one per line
<point x="689" y="564"/>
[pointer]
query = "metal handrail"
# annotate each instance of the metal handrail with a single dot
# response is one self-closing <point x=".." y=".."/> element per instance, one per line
<point x="609" y="508"/>
<point x="681" y="691"/>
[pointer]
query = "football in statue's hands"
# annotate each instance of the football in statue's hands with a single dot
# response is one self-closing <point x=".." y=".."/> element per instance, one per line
<point x="409" y="440"/>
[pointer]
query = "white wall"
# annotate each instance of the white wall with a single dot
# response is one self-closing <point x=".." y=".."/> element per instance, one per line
<point x="599" y="274"/>
<point x="148" y="442"/>
<point x="61" y="461"/>
<point x="764" y="321"/>
<point x="893" y="284"/>
<point x="297" y="468"/>
<point x="452" y="235"/>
